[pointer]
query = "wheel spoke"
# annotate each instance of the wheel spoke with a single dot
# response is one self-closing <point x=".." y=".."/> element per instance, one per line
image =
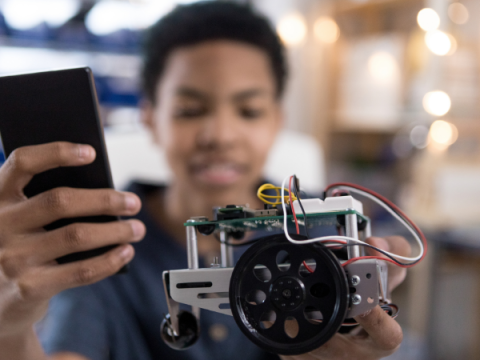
<point x="307" y="330"/>
<point x="277" y="331"/>
<point x="246" y="287"/>
<point x="325" y="307"/>
<point x="254" y="312"/>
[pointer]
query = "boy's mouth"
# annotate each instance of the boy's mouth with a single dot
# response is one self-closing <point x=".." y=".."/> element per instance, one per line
<point x="218" y="173"/>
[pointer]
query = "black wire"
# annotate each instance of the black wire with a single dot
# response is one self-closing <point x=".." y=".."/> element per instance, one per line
<point x="339" y="246"/>
<point x="380" y="251"/>
<point x="408" y="221"/>
<point x="297" y="195"/>
<point x="305" y="194"/>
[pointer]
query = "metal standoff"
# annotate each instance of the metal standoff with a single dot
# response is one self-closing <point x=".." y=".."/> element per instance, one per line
<point x="352" y="231"/>
<point x="192" y="246"/>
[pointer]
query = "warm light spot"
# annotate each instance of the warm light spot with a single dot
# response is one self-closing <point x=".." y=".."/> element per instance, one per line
<point x="428" y="19"/>
<point x="292" y="29"/>
<point x="326" y="30"/>
<point x="437" y="103"/>
<point x="383" y="67"/>
<point x="438" y="42"/>
<point x="453" y="46"/>
<point x="458" y="13"/>
<point x="443" y="132"/>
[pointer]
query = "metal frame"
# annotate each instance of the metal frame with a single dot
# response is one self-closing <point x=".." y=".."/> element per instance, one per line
<point x="208" y="288"/>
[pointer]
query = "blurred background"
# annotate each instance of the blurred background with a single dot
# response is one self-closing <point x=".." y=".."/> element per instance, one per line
<point x="383" y="93"/>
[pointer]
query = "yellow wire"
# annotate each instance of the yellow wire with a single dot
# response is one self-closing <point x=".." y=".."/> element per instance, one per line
<point x="278" y="197"/>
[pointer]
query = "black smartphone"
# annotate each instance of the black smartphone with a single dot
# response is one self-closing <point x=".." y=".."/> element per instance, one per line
<point x="39" y="108"/>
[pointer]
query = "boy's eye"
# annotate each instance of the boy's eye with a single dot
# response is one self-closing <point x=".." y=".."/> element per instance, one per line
<point x="190" y="112"/>
<point x="251" y="113"/>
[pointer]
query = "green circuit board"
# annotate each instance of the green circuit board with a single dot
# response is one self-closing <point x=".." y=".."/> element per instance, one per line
<point x="275" y="223"/>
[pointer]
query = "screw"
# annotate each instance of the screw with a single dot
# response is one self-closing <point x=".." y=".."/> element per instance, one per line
<point x="355" y="280"/>
<point x="215" y="263"/>
<point x="356" y="299"/>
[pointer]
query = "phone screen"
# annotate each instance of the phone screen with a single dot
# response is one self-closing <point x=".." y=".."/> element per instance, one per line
<point x="56" y="106"/>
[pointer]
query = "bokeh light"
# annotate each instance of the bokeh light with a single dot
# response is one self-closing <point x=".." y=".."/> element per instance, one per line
<point x="26" y="14"/>
<point x="438" y="42"/>
<point x="443" y="132"/>
<point x="437" y="103"/>
<point x="401" y="146"/>
<point x="383" y="67"/>
<point x="326" y="30"/>
<point x="453" y="46"/>
<point x="419" y="136"/>
<point x="292" y="29"/>
<point x="109" y="16"/>
<point x="428" y="19"/>
<point x="458" y="13"/>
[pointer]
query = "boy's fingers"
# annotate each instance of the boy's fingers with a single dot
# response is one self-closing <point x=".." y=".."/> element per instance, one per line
<point x="378" y="242"/>
<point x="383" y="331"/>
<point x="399" y="245"/>
<point x="23" y="163"/>
<point x="82" y="236"/>
<point x="396" y="245"/>
<point x="60" y="203"/>
<point x="50" y="280"/>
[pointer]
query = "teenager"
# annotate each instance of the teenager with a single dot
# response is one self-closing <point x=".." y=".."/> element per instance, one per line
<point x="213" y="75"/>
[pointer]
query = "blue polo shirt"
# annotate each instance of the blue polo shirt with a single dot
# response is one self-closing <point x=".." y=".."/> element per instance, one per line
<point x="119" y="318"/>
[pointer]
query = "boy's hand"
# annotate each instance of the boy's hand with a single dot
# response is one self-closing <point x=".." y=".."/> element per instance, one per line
<point x="29" y="274"/>
<point x="378" y="334"/>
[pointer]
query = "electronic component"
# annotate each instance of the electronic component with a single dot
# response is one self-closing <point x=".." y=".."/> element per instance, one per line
<point x="288" y="293"/>
<point x="60" y="105"/>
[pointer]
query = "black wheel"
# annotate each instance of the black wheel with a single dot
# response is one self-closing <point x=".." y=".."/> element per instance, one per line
<point x="282" y="305"/>
<point x="188" y="328"/>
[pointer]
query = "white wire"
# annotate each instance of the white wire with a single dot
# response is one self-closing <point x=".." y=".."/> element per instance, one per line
<point x="394" y="214"/>
<point x="350" y="239"/>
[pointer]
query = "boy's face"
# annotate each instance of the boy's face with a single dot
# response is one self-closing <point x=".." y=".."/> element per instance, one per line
<point x="216" y="115"/>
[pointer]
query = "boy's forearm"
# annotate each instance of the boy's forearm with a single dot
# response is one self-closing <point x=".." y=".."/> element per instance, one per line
<point x="24" y="346"/>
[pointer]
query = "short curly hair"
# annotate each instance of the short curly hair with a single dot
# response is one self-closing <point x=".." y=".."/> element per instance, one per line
<point x="209" y="20"/>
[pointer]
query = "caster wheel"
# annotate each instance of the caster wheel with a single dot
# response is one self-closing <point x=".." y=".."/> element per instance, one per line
<point x="189" y="331"/>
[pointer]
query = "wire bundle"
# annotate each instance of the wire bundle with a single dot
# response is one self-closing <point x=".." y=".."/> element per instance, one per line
<point x="265" y="198"/>
<point x="349" y="241"/>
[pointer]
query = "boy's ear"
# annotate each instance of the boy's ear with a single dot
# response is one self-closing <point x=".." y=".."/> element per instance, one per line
<point x="147" y="111"/>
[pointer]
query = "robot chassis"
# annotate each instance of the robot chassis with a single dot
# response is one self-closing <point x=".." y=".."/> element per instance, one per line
<point x="276" y="283"/>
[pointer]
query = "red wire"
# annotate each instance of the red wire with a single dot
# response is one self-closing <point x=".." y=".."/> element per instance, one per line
<point x="375" y="257"/>
<point x="396" y="208"/>
<point x="336" y="241"/>
<point x="291" y="204"/>
<point x="309" y="269"/>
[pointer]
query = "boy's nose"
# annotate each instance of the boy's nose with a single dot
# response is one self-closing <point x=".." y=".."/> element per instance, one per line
<point x="219" y="131"/>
